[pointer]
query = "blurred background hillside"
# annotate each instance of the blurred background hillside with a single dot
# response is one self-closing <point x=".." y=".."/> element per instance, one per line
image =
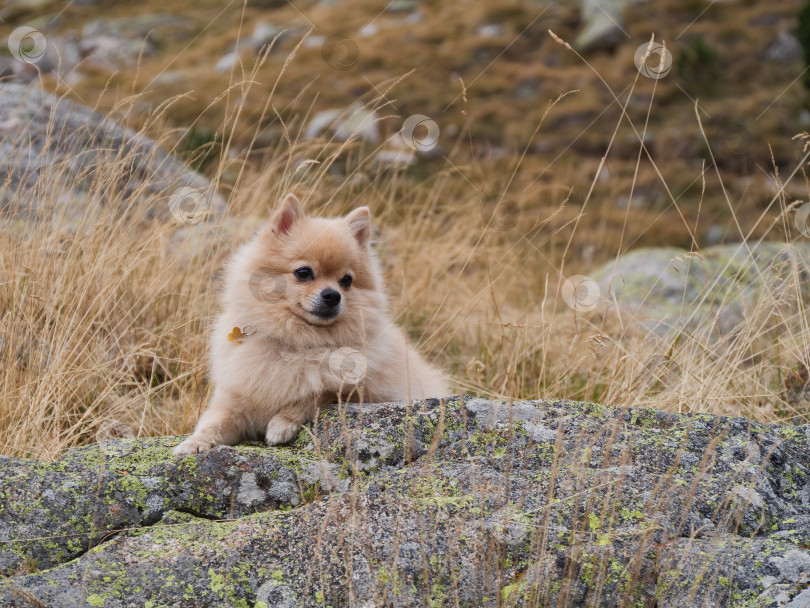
<point x="205" y="71"/>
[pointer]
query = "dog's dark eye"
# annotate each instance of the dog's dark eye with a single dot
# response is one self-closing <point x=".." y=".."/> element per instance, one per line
<point x="304" y="273"/>
<point x="346" y="281"/>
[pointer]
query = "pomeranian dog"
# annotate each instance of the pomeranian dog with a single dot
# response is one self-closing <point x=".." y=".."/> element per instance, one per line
<point x="304" y="322"/>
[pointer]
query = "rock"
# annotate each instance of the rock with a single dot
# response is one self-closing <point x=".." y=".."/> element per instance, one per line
<point x="71" y="504"/>
<point x="57" y="54"/>
<point x="395" y="153"/>
<point x="356" y="122"/>
<point x="489" y="30"/>
<point x="265" y="36"/>
<point x="171" y="77"/>
<point x="62" y="55"/>
<point x="793" y="566"/>
<point x="603" y="25"/>
<point x="275" y="594"/>
<point x="800" y="601"/>
<point x="667" y="289"/>
<point x="409" y="19"/>
<point x="368" y="30"/>
<point x="7" y="68"/>
<point x="785" y="48"/>
<point x="60" y="161"/>
<point x="113" y="52"/>
<point x="316" y="41"/>
<point x="450" y="503"/>
<point x="154" y="27"/>
<point x="227" y="62"/>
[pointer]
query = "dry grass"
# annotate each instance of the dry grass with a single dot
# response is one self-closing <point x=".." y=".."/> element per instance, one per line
<point x="104" y="328"/>
<point x="102" y="325"/>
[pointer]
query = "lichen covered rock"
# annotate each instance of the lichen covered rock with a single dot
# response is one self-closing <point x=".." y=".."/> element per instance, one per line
<point x="62" y="162"/>
<point x="75" y="503"/>
<point x="470" y="502"/>
<point x="667" y="289"/>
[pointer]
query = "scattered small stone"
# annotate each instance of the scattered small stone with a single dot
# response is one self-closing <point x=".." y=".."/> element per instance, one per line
<point x="463" y="480"/>
<point x="785" y="48"/>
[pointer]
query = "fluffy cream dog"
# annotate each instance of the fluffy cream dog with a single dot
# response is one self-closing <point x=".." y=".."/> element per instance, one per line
<point x="304" y="320"/>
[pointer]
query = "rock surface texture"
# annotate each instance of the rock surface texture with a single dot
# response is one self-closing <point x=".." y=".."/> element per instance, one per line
<point x="666" y="289"/>
<point x="62" y="159"/>
<point x="465" y="503"/>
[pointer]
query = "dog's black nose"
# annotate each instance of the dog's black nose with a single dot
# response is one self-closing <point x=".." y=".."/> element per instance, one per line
<point x="330" y="297"/>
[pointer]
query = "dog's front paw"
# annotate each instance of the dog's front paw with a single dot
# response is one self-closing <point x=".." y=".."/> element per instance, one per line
<point x="280" y="430"/>
<point x="193" y="445"/>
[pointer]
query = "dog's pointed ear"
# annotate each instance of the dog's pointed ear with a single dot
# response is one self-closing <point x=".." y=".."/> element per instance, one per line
<point x="289" y="212"/>
<point x="359" y="222"/>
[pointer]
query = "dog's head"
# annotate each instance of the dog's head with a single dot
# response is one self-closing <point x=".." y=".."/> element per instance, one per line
<point x="314" y="268"/>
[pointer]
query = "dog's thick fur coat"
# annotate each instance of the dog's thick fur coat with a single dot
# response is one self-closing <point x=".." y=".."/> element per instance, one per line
<point x="298" y="345"/>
